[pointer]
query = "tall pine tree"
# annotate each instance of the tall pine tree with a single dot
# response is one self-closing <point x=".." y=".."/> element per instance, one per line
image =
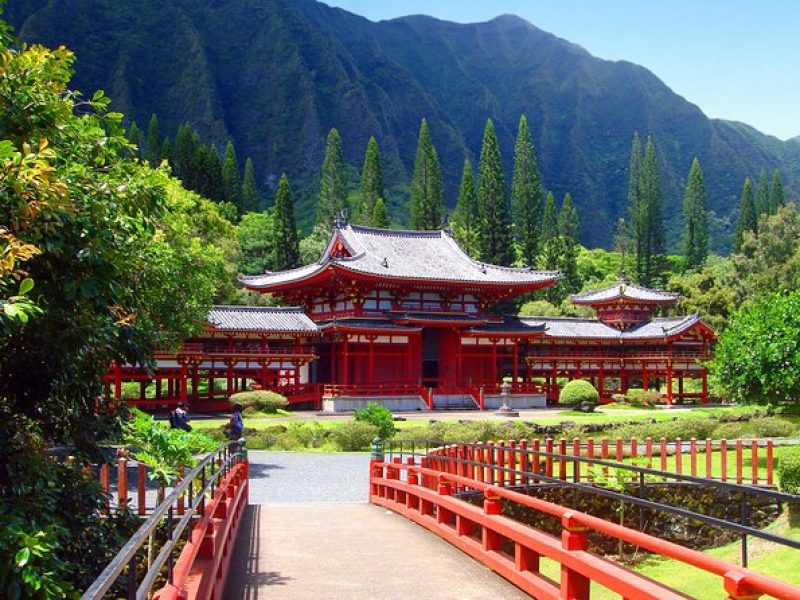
<point x="287" y="250"/>
<point x="465" y="216"/>
<point x="695" y="218"/>
<point x="231" y="179"/>
<point x="495" y="238"/>
<point x="427" y="192"/>
<point x="371" y="185"/>
<point x="166" y="151"/>
<point x="153" y="148"/>
<point x="776" y="198"/>
<point x="762" y="194"/>
<point x="636" y="215"/>
<point x="380" y="217"/>
<point x="526" y="195"/>
<point x="333" y="186"/>
<point x="208" y="174"/>
<point x="250" y="199"/>
<point x="552" y="247"/>
<point x="183" y="156"/>
<point x="569" y="228"/>
<point x="748" y="217"/>
<point x="134" y="137"/>
<point x="649" y="223"/>
<point x="623" y="246"/>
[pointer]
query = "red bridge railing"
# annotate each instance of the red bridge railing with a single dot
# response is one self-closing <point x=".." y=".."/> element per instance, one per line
<point x="514" y="550"/>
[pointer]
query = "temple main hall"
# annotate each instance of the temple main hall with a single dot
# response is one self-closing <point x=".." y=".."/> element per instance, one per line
<point x="409" y="320"/>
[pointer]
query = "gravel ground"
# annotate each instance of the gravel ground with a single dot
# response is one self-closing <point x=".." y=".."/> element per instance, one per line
<point x="298" y="477"/>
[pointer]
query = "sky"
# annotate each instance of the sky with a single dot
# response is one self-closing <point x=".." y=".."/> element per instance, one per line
<point x="735" y="59"/>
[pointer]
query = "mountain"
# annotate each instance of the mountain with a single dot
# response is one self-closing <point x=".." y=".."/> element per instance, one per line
<point x="275" y="75"/>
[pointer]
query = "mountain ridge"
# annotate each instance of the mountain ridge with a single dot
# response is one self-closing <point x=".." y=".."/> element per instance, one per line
<point x="275" y="75"/>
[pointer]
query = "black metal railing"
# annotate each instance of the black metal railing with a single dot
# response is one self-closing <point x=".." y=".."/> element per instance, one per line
<point x="544" y="473"/>
<point x="166" y="520"/>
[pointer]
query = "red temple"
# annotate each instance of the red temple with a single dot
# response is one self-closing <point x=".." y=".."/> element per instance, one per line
<point x="407" y="319"/>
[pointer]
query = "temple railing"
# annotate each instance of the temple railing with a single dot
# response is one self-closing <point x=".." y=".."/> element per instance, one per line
<point x="199" y="517"/>
<point x="424" y="488"/>
<point x="331" y="390"/>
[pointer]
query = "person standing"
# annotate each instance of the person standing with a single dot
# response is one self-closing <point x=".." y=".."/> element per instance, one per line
<point x="179" y="418"/>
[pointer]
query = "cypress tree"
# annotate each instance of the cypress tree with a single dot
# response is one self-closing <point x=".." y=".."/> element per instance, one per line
<point x="333" y="186"/>
<point x="695" y="217"/>
<point x="208" y="174"/>
<point x="231" y="179"/>
<point x="650" y="221"/>
<point x="495" y="237"/>
<point x="134" y="137"/>
<point x="380" y="218"/>
<point x="526" y="195"/>
<point x="371" y="184"/>
<point x="153" y="148"/>
<point x="250" y="200"/>
<point x="776" y="198"/>
<point x="552" y="247"/>
<point x="622" y="244"/>
<point x="465" y="216"/>
<point x="635" y="213"/>
<point x="427" y="192"/>
<point x="166" y="151"/>
<point x="569" y="228"/>
<point x="183" y="158"/>
<point x="762" y="193"/>
<point x="287" y="251"/>
<point x="748" y="218"/>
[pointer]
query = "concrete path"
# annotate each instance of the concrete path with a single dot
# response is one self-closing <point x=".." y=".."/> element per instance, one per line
<point x="339" y="546"/>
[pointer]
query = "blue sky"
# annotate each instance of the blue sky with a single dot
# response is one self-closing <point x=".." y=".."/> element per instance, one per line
<point x="735" y="59"/>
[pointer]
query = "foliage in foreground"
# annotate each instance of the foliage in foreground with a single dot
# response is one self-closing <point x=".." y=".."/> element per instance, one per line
<point x="757" y="358"/>
<point x="578" y="391"/>
<point x="789" y="469"/>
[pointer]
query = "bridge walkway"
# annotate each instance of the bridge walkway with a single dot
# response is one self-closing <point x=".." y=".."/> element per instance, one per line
<point x="348" y="549"/>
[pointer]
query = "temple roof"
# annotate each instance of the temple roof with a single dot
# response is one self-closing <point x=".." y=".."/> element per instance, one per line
<point x="260" y="318"/>
<point x="416" y="255"/>
<point x="575" y="328"/>
<point x="624" y="290"/>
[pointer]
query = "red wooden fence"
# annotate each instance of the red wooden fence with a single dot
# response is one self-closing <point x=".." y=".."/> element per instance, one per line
<point x="485" y="534"/>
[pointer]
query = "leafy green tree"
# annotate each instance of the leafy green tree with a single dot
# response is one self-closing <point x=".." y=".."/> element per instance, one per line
<point x="748" y="217"/>
<point x="465" y="216"/>
<point x="125" y="261"/>
<point x="757" y="358"/>
<point x="152" y="151"/>
<point x="231" y="179"/>
<point x="249" y="196"/>
<point x="762" y="193"/>
<point x="713" y="291"/>
<point x="648" y="219"/>
<point x="695" y="217"/>
<point x="495" y="236"/>
<point x="427" y="191"/>
<point x="333" y="186"/>
<point x="776" y="197"/>
<point x="256" y="236"/>
<point x="287" y="253"/>
<point x="380" y="218"/>
<point x="371" y="184"/>
<point x="526" y="195"/>
<point x="569" y="228"/>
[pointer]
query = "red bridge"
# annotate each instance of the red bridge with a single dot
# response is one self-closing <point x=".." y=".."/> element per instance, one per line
<point x="460" y="493"/>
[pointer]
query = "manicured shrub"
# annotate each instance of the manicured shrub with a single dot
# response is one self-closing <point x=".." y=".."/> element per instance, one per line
<point x="353" y="436"/>
<point x="379" y="416"/>
<point x="679" y="428"/>
<point x="732" y="431"/>
<point x="259" y="401"/>
<point x="578" y="391"/>
<point x="640" y="397"/>
<point x="788" y="466"/>
<point x="773" y="427"/>
<point x="619" y="398"/>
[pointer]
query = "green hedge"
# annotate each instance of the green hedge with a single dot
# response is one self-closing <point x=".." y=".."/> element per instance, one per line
<point x="578" y="391"/>
<point x="259" y="401"/>
<point x="354" y="436"/>
<point x="788" y="465"/>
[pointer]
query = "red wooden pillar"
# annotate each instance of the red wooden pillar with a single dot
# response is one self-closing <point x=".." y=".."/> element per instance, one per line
<point x="195" y="382"/>
<point x="494" y="360"/>
<point x="230" y="377"/>
<point x="601" y="382"/>
<point x="574" y="585"/>
<point x="645" y="377"/>
<point x="669" y="382"/>
<point x="680" y="387"/>
<point x="515" y="367"/>
<point x="183" y="383"/>
<point x="704" y="398"/>
<point x="117" y="382"/>
<point x="345" y="357"/>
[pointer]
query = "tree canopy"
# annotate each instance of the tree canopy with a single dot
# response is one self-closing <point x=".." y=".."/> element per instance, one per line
<point x="427" y="191"/>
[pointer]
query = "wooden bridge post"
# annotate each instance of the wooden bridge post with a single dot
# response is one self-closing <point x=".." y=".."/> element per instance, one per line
<point x="491" y="506"/>
<point x="574" y="586"/>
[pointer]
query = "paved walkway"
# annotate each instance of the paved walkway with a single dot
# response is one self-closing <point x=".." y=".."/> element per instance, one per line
<point x="342" y="549"/>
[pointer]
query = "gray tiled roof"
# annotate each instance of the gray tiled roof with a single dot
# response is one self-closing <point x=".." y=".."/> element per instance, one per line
<point x="431" y="255"/>
<point x="260" y="318"/>
<point x="366" y="324"/>
<point x="574" y="328"/>
<point x="626" y="290"/>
